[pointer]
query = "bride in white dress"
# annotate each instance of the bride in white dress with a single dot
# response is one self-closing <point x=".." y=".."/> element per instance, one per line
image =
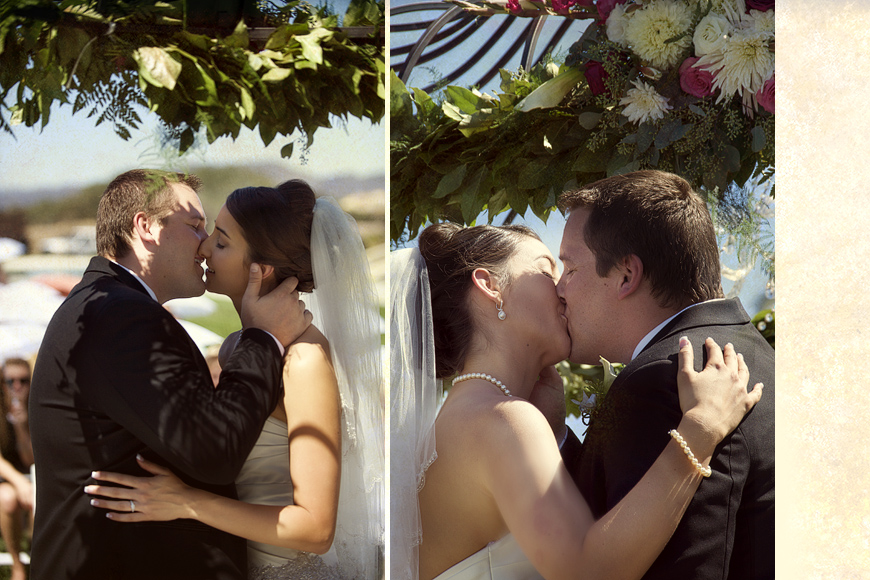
<point x="311" y="491"/>
<point x="493" y="500"/>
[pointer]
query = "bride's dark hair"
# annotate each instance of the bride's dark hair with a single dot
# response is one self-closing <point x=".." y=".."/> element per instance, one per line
<point x="452" y="253"/>
<point x="276" y="223"/>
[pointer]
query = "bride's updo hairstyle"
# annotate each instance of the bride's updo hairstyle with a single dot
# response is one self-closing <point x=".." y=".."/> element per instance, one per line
<point x="452" y="253"/>
<point x="276" y="223"/>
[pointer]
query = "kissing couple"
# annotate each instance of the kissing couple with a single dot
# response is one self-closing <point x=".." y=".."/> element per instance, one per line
<point x="148" y="470"/>
<point x="675" y="477"/>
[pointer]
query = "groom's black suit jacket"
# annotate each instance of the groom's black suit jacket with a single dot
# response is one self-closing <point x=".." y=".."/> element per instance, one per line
<point x="117" y="375"/>
<point x="727" y="530"/>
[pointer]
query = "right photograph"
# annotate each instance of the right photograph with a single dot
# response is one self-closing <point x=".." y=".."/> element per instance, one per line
<point x="582" y="289"/>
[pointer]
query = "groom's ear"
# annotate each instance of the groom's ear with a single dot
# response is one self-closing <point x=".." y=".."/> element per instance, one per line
<point x="143" y="227"/>
<point x="630" y="276"/>
<point x="484" y="281"/>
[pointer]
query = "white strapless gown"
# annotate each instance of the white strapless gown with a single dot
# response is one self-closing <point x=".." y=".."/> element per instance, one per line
<point x="499" y="560"/>
<point x="265" y="480"/>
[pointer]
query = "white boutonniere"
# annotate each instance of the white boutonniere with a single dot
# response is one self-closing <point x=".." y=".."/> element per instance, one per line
<point x="587" y="385"/>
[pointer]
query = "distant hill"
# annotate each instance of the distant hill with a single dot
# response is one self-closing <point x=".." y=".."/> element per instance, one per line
<point x="64" y="203"/>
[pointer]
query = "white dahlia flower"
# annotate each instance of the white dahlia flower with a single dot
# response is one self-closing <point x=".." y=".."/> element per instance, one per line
<point x="643" y="103"/>
<point x="762" y="21"/>
<point x="743" y="65"/>
<point x="649" y="28"/>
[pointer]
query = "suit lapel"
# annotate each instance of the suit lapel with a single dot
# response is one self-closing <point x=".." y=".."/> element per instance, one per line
<point x="717" y="313"/>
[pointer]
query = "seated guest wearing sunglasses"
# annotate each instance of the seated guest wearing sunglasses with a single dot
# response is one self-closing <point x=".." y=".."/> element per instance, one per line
<point x="16" y="457"/>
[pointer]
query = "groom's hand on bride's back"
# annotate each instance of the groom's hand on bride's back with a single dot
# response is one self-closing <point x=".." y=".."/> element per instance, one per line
<point x="280" y="312"/>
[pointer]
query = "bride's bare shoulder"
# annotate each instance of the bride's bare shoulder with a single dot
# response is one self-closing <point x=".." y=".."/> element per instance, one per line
<point x="495" y="421"/>
<point x="310" y="348"/>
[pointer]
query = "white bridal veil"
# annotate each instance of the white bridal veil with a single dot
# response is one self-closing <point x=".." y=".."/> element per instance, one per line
<point x="345" y="308"/>
<point x="415" y="394"/>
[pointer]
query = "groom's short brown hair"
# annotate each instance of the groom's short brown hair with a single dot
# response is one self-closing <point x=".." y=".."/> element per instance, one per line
<point x="656" y="216"/>
<point x="145" y="190"/>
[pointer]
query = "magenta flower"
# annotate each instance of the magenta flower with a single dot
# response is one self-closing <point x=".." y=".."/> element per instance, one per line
<point x="697" y="82"/>
<point x="766" y="97"/>
<point x="595" y="75"/>
<point x="562" y="6"/>
<point x="762" y="5"/>
<point x="605" y="7"/>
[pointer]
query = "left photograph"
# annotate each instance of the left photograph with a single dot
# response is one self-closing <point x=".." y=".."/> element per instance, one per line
<point x="192" y="290"/>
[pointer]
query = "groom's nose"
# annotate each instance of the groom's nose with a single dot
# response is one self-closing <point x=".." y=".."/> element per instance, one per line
<point x="204" y="250"/>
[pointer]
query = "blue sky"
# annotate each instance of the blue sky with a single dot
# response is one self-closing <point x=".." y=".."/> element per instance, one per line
<point x="71" y="150"/>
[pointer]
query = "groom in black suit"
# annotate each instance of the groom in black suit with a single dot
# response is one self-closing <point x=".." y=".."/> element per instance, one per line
<point x="641" y="269"/>
<point x="117" y="376"/>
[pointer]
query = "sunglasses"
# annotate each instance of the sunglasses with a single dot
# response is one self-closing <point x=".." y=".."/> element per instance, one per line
<point x="10" y="382"/>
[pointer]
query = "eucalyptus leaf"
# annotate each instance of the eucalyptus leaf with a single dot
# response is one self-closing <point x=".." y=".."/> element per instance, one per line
<point x="759" y="139"/>
<point x="589" y="120"/>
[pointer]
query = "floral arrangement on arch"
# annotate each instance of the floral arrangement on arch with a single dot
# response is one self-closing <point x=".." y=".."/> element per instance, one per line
<point x="686" y="86"/>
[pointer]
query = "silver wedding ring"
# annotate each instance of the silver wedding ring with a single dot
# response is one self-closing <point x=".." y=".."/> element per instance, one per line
<point x="132" y="506"/>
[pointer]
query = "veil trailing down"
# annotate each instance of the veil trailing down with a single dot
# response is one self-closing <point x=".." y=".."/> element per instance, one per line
<point x="345" y="308"/>
<point x="415" y="394"/>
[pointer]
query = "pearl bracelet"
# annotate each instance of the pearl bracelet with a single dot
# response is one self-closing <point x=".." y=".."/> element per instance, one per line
<point x="705" y="471"/>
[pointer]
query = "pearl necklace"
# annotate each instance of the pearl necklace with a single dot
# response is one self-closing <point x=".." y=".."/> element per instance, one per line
<point x="485" y="377"/>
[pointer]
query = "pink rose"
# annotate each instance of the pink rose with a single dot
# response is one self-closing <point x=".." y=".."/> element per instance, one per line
<point x="762" y="5"/>
<point x="595" y="75"/>
<point x="605" y="7"/>
<point x="766" y="97"/>
<point x="562" y="6"/>
<point x="697" y="82"/>
<point x="514" y="6"/>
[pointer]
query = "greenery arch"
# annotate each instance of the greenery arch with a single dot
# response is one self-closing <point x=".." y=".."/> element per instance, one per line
<point x="277" y="69"/>
<point x="559" y="126"/>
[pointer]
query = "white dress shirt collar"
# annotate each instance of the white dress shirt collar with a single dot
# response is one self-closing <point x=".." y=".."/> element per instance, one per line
<point x="652" y="333"/>
<point x="147" y="288"/>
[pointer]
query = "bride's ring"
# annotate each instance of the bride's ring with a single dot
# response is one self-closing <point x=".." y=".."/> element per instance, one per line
<point x="132" y="506"/>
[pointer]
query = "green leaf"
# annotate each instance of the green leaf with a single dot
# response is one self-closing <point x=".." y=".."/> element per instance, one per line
<point x="452" y="111"/>
<point x="551" y="93"/>
<point x="759" y="139"/>
<point x="283" y="34"/>
<point x="464" y="99"/>
<point x="590" y="161"/>
<point x="311" y="49"/>
<point x="646" y="133"/>
<point x="277" y="74"/>
<point x="472" y="200"/>
<point x="450" y="182"/>
<point x="518" y="200"/>
<point x="589" y="120"/>
<point x="287" y="151"/>
<point x="732" y="158"/>
<point x="70" y="44"/>
<point x="535" y="175"/>
<point x="239" y="37"/>
<point x="157" y="66"/>
<point x="247" y="103"/>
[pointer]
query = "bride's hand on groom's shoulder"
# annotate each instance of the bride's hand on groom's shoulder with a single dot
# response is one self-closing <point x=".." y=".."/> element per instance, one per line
<point x="716" y="398"/>
<point x="280" y="312"/>
<point x="548" y="395"/>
